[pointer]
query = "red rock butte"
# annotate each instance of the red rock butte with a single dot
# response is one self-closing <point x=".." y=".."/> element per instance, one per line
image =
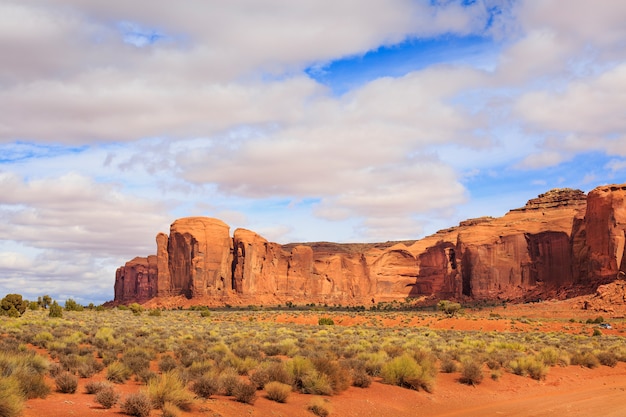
<point x="561" y="244"/>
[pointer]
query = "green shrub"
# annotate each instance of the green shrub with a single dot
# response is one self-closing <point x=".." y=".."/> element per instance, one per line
<point x="136" y="308"/>
<point x="325" y="321"/>
<point x="404" y="371"/>
<point x="448" y="307"/>
<point x="66" y="383"/>
<point x="277" y="391"/>
<point x="137" y="405"/>
<point x="71" y="305"/>
<point x="316" y="383"/>
<point x="471" y="372"/>
<point x="55" y="310"/>
<point x="245" y="392"/>
<point x="169" y="387"/>
<point x="13" y="305"/>
<point x="155" y="313"/>
<point x="118" y="372"/>
<point x="107" y="397"/>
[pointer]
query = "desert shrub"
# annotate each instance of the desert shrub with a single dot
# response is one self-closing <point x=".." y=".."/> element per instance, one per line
<point x="449" y="307"/>
<point x="169" y="410"/>
<point x="66" y="383"/>
<point x="107" y="397"/>
<point x="93" y="387"/>
<point x="228" y="379"/>
<point x="549" y="355"/>
<point x="137" y="405"/>
<point x="277" y="391"/>
<point x="154" y="313"/>
<point x="448" y="366"/>
<point x="169" y="387"/>
<point x="607" y="358"/>
<point x="374" y="362"/>
<point x="136" y="308"/>
<point x="404" y="371"/>
<point x="245" y="392"/>
<point x="319" y="407"/>
<point x="205" y="313"/>
<point x="360" y="378"/>
<point x="206" y="385"/>
<point x="167" y="363"/>
<point x="597" y="332"/>
<point x="316" y="383"/>
<point x="338" y="376"/>
<point x="325" y="321"/>
<point x="585" y="359"/>
<point x="32" y="385"/>
<point x="137" y="359"/>
<point x="299" y="368"/>
<point x="471" y="372"/>
<point x="118" y="372"/>
<point x="11" y="400"/>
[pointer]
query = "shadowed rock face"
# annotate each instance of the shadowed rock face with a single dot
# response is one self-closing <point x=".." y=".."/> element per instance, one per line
<point x="561" y="243"/>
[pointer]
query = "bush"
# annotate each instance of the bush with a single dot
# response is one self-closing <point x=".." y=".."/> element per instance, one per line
<point x="228" y="379"/>
<point x="118" y="372"/>
<point x="471" y="372"/>
<point x="404" y="371"/>
<point x="319" y="407"/>
<point x="326" y="321"/>
<point x="138" y="405"/>
<point x="206" y="385"/>
<point x="449" y="307"/>
<point x="448" y="366"/>
<point x="361" y="379"/>
<point x="154" y="313"/>
<point x="71" y="305"/>
<point x="169" y="387"/>
<point x="277" y="391"/>
<point x="11" y="400"/>
<point x="245" y="392"/>
<point x="586" y="359"/>
<point x="107" y="397"/>
<point x="338" y="376"/>
<point x="66" y="383"/>
<point x="167" y="363"/>
<point x="136" y="308"/>
<point x="169" y="410"/>
<point x="607" y="358"/>
<point x="94" y="387"/>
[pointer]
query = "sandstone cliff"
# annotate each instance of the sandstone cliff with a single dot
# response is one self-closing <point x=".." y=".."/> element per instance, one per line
<point x="559" y="244"/>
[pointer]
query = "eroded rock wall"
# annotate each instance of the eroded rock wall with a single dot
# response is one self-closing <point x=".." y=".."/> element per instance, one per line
<point x="557" y="242"/>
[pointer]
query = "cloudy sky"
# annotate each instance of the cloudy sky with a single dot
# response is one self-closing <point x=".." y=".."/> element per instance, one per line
<point x="350" y="120"/>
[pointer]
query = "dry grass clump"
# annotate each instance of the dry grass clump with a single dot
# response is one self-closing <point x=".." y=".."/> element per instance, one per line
<point x="245" y="392"/>
<point x="471" y="372"/>
<point x="206" y="385"/>
<point x="11" y="398"/>
<point x="319" y="407"/>
<point x="531" y="366"/>
<point x="93" y="387"/>
<point x="66" y="383"/>
<point x="607" y="358"/>
<point x="277" y="391"/>
<point x="169" y="387"/>
<point x="585" y="359"/>
<point x="118" y="373"/>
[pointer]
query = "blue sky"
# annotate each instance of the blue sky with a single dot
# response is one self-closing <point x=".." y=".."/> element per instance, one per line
<point x="298" y="120"/>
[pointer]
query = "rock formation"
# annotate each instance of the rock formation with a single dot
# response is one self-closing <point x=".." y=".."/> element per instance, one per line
<point x="559" y="244"/>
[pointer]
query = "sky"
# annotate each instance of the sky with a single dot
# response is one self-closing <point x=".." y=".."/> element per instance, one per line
<point x="344" y="121"/>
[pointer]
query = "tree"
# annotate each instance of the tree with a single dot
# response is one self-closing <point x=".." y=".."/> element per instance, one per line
<point x="44" y="301"/>
<point x="449" y="307"/>
<point x="56" y="310"/>
<point x="13" y="305"/>
<point x="71" y="305"/>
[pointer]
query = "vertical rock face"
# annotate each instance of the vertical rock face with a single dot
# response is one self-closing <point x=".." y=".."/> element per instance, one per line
<point x="558" y="242"/>
<point x="136" y="281"/>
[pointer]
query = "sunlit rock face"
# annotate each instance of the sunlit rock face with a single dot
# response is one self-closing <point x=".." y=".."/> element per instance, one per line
<point x="559" y="244"/>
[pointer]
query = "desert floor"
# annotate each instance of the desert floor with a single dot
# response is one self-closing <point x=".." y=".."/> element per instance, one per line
<point x="567" y="391"/>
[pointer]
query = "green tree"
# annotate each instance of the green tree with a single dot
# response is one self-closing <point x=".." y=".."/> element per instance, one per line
<point x="13" y="305"/>
<point x="56" y="310"/>
<point x="71" y="305"/>
<point x="44" y="301"/>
